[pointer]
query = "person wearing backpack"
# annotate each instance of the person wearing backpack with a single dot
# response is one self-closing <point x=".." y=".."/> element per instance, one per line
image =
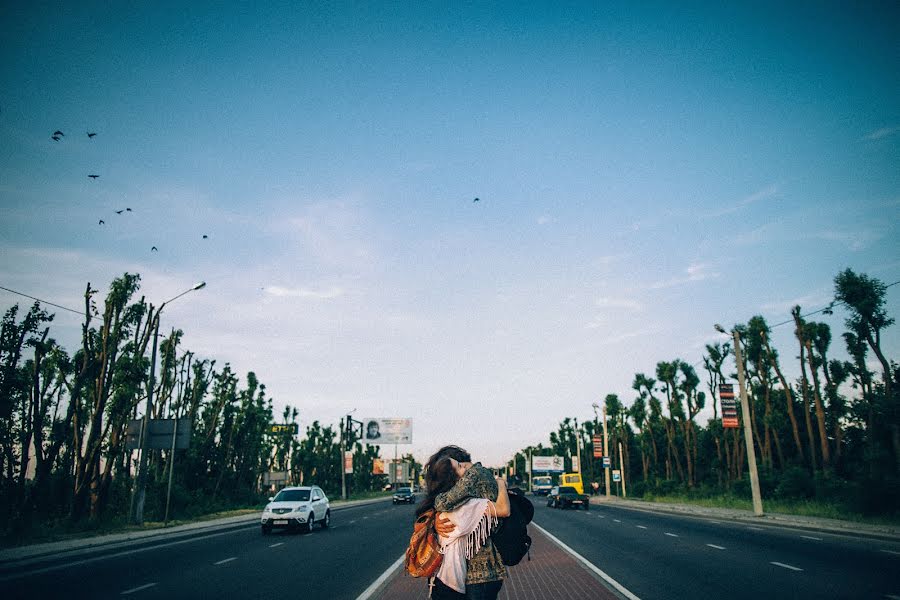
<point x="484" y="570"/>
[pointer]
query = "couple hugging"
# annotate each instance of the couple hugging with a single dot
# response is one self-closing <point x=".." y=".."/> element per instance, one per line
<point x="468" y="501"/>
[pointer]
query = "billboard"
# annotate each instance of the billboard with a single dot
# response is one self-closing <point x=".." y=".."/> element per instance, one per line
<point x="379" y="430"/>
<point x="554" y="464"/>
<point x="161" y="432"/>
<point x="378" y="466"/>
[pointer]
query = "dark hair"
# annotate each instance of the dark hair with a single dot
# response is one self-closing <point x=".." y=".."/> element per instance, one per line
<point x="454" y="452"/>
<point x="439" y="477"/>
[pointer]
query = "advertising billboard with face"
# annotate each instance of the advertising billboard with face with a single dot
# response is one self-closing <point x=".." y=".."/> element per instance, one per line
<point x="380" y="430"/>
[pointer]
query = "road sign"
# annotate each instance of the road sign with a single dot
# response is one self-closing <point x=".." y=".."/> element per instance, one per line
<point x="275" y="477"/>
<point x="598" y="446"/>
<point x="289" y="428"/>
<point x="617" y="475"/>
<point x="606" y="462"/>
<point x="576" y="464"/>
<point x="160" y="435"/>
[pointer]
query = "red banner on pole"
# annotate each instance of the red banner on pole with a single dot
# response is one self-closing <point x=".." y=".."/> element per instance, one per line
<point x="598" y="446"/>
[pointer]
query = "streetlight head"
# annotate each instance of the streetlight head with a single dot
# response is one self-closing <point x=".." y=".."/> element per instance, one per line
<point x="199" y="286"/>
<point x="719" y="328"/>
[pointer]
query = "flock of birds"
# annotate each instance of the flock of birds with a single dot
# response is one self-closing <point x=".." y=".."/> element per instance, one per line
<point x="58" y="135"/>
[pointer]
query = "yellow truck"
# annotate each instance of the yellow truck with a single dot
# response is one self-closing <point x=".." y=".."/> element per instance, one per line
<point x="572" y="480"/>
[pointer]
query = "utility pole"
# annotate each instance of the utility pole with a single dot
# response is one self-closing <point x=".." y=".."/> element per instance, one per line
<point x="622" y="471"/>
<point x="344" y="427"/>
<point x="578" y="445"/>
<point x="606" y="450"/>
<point x="530" y="478"/>
<point x="748" y="424"/>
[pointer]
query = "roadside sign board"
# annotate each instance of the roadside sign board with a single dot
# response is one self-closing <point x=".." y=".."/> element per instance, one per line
<point x="348" y="462"/>
<point x="617" y="475"/>
<point x="576" y="464"/>
<point x="275" y="477"/>
<point x="606" y="462"/>
<point x="379" y="430"/>
<point x="598" y="446"/>
<point x="289" y="428"/>
<point x="378" y="466"/>
<point x="552" y="464"/>
<point x="160" y="434"/>
<point x="729" y="406"/>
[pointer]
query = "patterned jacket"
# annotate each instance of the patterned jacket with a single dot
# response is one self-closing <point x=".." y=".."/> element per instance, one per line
<point x="476" y="482"/>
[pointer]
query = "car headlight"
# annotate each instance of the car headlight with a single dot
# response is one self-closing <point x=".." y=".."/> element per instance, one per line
<point x="301" y="508"/>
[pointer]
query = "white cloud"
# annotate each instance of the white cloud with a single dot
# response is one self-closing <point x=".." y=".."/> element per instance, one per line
<point x="543" y="220"/>
<point x="763" y="194"/>
<point x="623" y="303"/>
<point x="324" y="294"/>
<point x="881" y="133"/>
<point x="695" y="272"/>
<point x="853" y="240"/>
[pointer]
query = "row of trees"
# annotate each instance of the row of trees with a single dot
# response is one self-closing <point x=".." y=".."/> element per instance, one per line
<point x="833" y="433"/>
<point x="64" y="420"/>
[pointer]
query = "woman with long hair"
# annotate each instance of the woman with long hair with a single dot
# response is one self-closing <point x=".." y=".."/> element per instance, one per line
<point x="470" y="499"/>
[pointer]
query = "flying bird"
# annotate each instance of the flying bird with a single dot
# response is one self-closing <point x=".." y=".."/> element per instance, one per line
<point x="119" y="212"/>
<point x="93" y="176"/>
<point x="102" y="222"/>
<point x="59" y="133"/>
<point x="90" y="135"/>
<point x="153" y="249"/>
<point x="127" y="210"/>
<point x="205" y="237"/>
<point x="55" y="138"/>
<point x="476" y="199"/>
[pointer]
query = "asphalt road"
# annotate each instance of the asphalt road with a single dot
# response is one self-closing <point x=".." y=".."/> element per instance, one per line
<point x="654" y="556"/>
<point x="668" y="557"/>
<point x="335" y="563"/>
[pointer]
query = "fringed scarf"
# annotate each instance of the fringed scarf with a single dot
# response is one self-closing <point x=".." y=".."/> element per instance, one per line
<point x="474" y="520"/>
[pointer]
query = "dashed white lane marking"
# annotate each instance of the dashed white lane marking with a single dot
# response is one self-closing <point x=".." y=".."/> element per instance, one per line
<point x="755" y="528"/>
<point x="716" y="522"/>
<point x="892" y="597"/>
<point x="784" y="566"/>
<point x="601" y="516"/>
<point x="352" y="522"/>
<point x="137" y="589"/>
<point x="377" y="583"/>
<point x="640" y="527"/>
<point x="809" y="537"/>
<point x="276" y="545"/>
<point x="892" y="552"/>
<point x="671" y="534"/>
<point x="227" y="560"/>
<point x="621" y="589"/>
<point x="716" y="547"/>
<point x="617" y="521"/>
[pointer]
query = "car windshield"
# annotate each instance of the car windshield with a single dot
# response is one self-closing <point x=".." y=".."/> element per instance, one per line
<point x="292" y="496"/>
<point x="542" y="480"/>
<point x="404" y="491"/>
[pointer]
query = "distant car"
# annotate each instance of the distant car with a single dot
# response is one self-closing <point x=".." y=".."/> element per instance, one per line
<point x="541" y="485"/>
<point x="562" y="496"/>
<point x="404" y="495"/>
<point x="296" y="508"/>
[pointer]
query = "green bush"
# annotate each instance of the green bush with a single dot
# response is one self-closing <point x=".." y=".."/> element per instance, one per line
<point x="795" y="483"/>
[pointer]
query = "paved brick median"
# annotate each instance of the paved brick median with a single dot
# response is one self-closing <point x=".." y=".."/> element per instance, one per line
<point x="551" y="573"/>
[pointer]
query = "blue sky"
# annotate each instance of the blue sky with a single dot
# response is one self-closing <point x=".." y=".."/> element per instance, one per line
<point x="643" y="173"/>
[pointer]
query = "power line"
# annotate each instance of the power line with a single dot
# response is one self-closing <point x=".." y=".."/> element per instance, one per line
<point x="39" y="300"/>
<point x="829" y="307"/>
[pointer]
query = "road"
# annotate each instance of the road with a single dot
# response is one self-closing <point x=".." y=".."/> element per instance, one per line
<point x="659" y="556"/>
<point x="654" y="556"/>
<point x="336" y="563"/>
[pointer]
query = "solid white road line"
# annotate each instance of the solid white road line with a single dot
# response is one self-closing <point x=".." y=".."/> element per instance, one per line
<point x="809" y="537"/>
<point x="137" y="589"/>
<point x="778" y="564"/>
<point x="892" y="597"/>
<point x="640" y="527"/>
<point x="276" y="545"/>
<point x="227" y="560"/>
<point x="716" y="547"/>
<point x="619" y="587"/>
<point x="671" y="534"/>
<point x="755" y="528"/>
<point x="377" y="583"/>
<point x="892" y="552"/>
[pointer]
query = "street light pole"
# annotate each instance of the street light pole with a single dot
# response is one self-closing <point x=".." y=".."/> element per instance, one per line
<point x="141" y="486"/>
<point x="748" y="424"/>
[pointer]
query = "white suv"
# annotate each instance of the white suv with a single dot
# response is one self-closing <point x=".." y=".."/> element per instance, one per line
<point x="296" y="508"/>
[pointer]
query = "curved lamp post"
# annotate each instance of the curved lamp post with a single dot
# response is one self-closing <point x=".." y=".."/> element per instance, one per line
<point x="748" y="425"/>
<point x="141" y="487"/>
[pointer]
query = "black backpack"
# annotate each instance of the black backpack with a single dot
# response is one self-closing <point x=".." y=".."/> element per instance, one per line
<point x="511" y="537"/>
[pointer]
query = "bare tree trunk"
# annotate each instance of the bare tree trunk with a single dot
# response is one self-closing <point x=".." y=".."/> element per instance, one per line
<point x="820" y="409"/>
